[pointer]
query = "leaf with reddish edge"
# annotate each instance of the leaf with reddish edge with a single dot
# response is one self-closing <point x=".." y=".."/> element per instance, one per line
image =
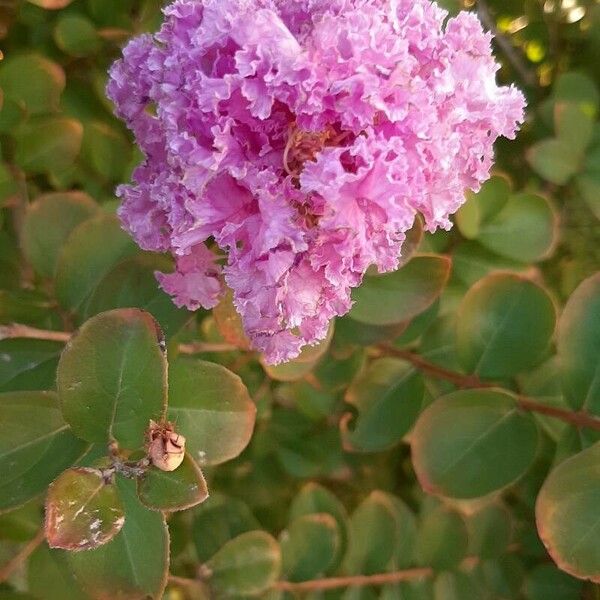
<point x="173" y="490"/>
<point x="83" y="510"/>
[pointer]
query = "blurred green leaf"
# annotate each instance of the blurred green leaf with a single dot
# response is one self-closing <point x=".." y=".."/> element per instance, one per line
<point x="27" y="364"/>
<point x="46" y="144"/>
<point x="553" y="160"/>
<point x="388" y="397"/>
<point x="106" y="150"/>
<point x="51" y="4"/>
<point x="578" y="343"/>
<point x="504" y="325"/>
<point x="247" y="565"/>
<point x="22" y="524"/>
<point x="309" y="546"/>
<point x="442" y="539"/>
<point x="34" y="80"/>
<point x="219" y="520"/>
<point x="460" y="435"/>
<point x="401" y="295"/>
<point x="212" y="409"/>
<point x="49" y="576"/>
<point x="490" y="531"/>
<point x="83" y="510"/>
<point x="173" y="490"/>
<point x="588" y="185"/>
<point x="573" y="125"/>
<point x="546" y="582"/>
<point x="112" y="377"/>
<point x="42" y="243"/>
<point x="132" y="282"/>
<point x="135" y="563"/>
<point x="576" y="87"/>
<point x="76" y="35"/>
<point x="92" y="249"/>
<point x="36" y="445"/>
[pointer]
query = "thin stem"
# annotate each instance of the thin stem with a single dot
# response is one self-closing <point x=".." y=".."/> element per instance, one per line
<point x="513" y="56"/>
<point x="199" y="347"/>
<point x="332" y="583"/>
<point x="577" y="418"/>
<point x="16" y="330"/>
<point x="12" y="565"/>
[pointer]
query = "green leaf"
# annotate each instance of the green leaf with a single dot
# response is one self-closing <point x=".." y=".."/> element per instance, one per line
<point x="297" y="368"/>
<point x="460" y="435"/>
<point x="22" y="524"/>
<point x="574" y="126"/>
<point x="46" y="144"/>
<point x="401" y="295"/>
<point x="388" y="397"/>
<point x="456" y="586"/>
<point x="219" y="520"/>
<point x="90" y="252"/>
<point x="83" y="510"/>
<point x="63" y="211"/>
<point x="381" y="535"/>
<point x="76" y="35"/>
<point x="314" y="499"/>
<point x="442" y="539"/>
<point x="135" y="563"/>
<point x="28" y="364"/>
<point x="588" y="185"/>
<point x="247" y="565"/>
<point x="132" y="283"/>
<point x="42" y="86"/>
<point x="490" y="531"/>
<point x="567" y="517"/>
<point x="578" y="343"/>
<point x="472" y="262"/>
<point x="482" y="206"/>
<point x="546" y="582"/>
<point x="212" y="409"/>
<point x="112" y="377"/>
<point x="309" y="546"/>
<point x="577" y="88"/>
<point x="106" y="150"/>
<point x="504" y="325"/>
<point x="173" y="490"/>
<point x="36" y="445"/>
<point x="526" y="229"/>
<point x="553" y="160"/>
<point x="49" y="576"/>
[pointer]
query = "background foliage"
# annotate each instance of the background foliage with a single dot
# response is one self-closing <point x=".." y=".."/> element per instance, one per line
<point x="442" y="442"/>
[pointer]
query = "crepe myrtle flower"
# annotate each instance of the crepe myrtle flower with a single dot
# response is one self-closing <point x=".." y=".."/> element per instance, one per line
<point x="290" y="144"/>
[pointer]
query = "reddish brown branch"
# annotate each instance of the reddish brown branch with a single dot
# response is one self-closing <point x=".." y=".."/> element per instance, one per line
<point x="12" y="565"/>
<point x="332" y="583"/>
<point x="16" y="330"/>
<point x="579" y="419"/>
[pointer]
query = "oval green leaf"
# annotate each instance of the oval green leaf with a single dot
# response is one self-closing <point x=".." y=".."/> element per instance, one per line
<point x="309" y="547"/>
<point x="567" y="517"/>
<point x="247" y="565"/>
<point x="212" y="409"/>
<point x="388" y="397"/>
<point x="83" y="510"/>
<point x="112" y="377"/>
<point x="504" y="325"/>
<point x="403" y="294"/>
<point x="90" y="252"/>
<point x="64" y="210"/>
<point x="36" y="445"/>
<point x="173" y="490"/>
<point x="471" y="443"/>
<point x="579" y="346"/>
<point x="46" y="144"/>
<point x="135" y="563"/>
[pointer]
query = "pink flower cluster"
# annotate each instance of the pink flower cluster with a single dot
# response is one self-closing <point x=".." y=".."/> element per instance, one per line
<point x="301" y="138"/>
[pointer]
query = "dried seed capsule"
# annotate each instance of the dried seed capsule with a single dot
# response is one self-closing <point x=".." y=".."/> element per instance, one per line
<point x="165" y="447"/>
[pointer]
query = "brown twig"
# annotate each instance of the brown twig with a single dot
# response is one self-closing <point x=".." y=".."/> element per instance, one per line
<point x="199" y="347"/>
<point x="577" y="418"/>
<point x="332" y="583"/>
<point x="12" y="565"/>
<point x="16" y="330"/>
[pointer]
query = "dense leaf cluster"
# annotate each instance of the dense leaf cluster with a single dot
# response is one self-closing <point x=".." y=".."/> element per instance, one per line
<point x="441" y="444"/>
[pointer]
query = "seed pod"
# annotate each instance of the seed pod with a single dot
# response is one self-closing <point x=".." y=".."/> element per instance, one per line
<point x="165" y="447"/>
